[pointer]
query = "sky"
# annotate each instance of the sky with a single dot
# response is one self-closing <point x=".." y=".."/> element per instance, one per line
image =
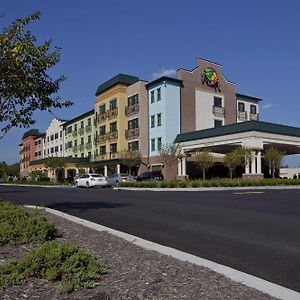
<point x="256" y="42"/>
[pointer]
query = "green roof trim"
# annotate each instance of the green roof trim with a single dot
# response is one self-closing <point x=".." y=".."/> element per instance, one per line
<point x="238" y="128"/>
<point x="120" y="78"/>
<point x="76" y="160"/>
<point x="32" y="132"/>
<point x="83" y="116"/>
<point x="162" y="79"/>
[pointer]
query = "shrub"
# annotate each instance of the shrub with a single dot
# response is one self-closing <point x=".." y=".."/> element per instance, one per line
<point x="163" y="184"/>
<point x="182" y="184"/>
<point x="20" y="227"/>
<point x="66" y="263"/>
<point x="172" y="184"/>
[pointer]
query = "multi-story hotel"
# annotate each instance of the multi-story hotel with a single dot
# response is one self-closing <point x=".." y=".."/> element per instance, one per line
<point x="200" y="108"/>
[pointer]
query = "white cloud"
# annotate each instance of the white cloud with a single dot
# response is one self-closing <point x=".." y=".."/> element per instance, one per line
<point x="267" y="106"/>
<point x="164" y="72"/>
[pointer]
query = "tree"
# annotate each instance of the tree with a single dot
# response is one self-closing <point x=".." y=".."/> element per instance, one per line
<point x="25" y="85"/>
<point x="130" y="158"/>
<point x="170" y="153"/>
<point x="238" y="157"/>
<point x="273" y="159"/>
<point x="204" y="159"/>
<point x="55" y="163"/>
<point x="37" y="174"/>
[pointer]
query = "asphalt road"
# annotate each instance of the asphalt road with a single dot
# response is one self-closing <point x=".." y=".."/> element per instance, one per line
<point x="257" y="233"/>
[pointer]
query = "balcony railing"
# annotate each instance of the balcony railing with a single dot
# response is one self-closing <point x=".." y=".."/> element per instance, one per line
<point x="74" y="133"/>
<point x="81" y="147"/>
<point x="242" y="116"/>
<point x="101" y="117"/>
<point x="132" y="133"/>
<point x="112" y="135"/>
<point x="254" y="117"/>
<point x="74" y="149"/>
<point x="88" y="128"/>
<point x="88" y="146"/>
<point x="81" y="131"/>
<point x="132" y="109"/>
<point x="107" y="156"/>
<point x="219" y="111"/>
<point x="112" y="113"/>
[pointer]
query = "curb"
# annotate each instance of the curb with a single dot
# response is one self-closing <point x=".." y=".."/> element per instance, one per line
<point x="36" y="185"/>
<point x="235" y="275"/>
<point x="212" y="189"/>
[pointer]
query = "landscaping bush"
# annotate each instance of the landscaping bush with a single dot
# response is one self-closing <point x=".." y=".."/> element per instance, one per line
<point x="20" y="227"/>
<point x="66" y="263"/>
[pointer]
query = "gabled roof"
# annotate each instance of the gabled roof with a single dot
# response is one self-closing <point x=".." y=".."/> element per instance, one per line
<point x="238" y="128"/>
<point x="162" y="79"/>
<point x="120" y="78"/>
<point x="32" y="132"/>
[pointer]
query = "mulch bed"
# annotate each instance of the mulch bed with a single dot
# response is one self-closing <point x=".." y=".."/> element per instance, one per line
<point x="134" y="273"/>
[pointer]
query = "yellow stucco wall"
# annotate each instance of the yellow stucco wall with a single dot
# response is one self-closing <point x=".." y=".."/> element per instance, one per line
<point x="118" y="92"/>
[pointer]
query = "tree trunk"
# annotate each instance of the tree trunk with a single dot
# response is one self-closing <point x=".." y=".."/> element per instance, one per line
<point x="231" y="173"/>
<point x="203" y="173"/>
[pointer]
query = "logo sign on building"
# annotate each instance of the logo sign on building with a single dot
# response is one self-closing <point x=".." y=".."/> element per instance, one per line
<point x="211" y="79"/>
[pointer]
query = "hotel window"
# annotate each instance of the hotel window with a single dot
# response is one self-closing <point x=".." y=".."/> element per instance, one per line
<point x="102" y="109"/>
<point x="152" y="144"/>
<point x="217" y="101"/>
<point x="70" y="144"/>
<point x="81" y="124"/>
<point x="158" y="94"/>
<point x="89" y="139"/>
<point x="132" y="124"/>
<point x="51" y="137"/>
<point x="113" y="148"/>
<point x="158" y="119"/>
<point x="152" y="121"/>
<point x="75" y="127"/>
<point x="82" y="155"/>
<point x="102" y="130"/>
<point x="60" y="134"/>
<point x="133" y="146"/>
<point x="52" y="149"/>
<point x="218" y="123"/>
<point x="89" y="154"/>
<point x="113" y="127"/>
<point x="102" y="150"/>
<point x="152" y="96"/>
<point x="56" y="148"/>
<point x="113" y="104"/>
<point x="89" y="121"/>
<point x="56" y="136"/>
<point x="75" y="143"/>
<point x="241" y="106"/>
<point x="253" y="109"/>
<point x="159" y="143"/>
<point x="48" y="136"/>
<point x="60" y="148"/>
<point x="82" y="141"/>
<point x="133" y="100"/>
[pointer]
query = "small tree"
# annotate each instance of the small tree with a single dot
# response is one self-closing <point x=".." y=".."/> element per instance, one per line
<point x="130" y="158"/>
<point x="55" y="163"/>
<point x="25" y="85"/>
<point x="204" y="159"/>
<point x="35" y="175"/>
<point x="238" y="157"/>
<point x="273" y="158"/>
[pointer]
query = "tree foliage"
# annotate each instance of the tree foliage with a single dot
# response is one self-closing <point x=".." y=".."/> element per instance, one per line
<point x="170" y="153"/>
<point x="204" y="159"/>
<point x="25" y="85"/>
<point x="273" y="158"/>
<point x="55" y="163"/>
<point x="130" y="158"/>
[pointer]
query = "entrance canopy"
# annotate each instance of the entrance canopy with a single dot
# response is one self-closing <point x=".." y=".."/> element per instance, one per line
<point x="255" y="135"/>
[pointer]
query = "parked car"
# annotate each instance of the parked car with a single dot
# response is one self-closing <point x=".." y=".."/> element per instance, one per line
<point x="151" y="175"/>
<point x="91" y="180"/>
<point x="114" y="179"/>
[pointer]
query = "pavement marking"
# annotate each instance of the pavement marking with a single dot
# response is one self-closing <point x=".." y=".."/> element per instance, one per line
<point x="257" y="283"/>
<point x="247" y="193"/>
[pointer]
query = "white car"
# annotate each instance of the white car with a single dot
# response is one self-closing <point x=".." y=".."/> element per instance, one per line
<point x="91" y="180"/>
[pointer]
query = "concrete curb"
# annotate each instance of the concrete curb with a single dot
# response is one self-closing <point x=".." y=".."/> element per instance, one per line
<point x="36" y="185"/>
<point x="235" y="275"/>
<point x="211" y="189"/>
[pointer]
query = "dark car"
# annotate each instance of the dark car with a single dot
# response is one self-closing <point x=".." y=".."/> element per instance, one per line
<point x="150" y="176"/>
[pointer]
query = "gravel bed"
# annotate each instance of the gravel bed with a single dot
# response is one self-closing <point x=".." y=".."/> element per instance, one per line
<point x="134" y="273"/>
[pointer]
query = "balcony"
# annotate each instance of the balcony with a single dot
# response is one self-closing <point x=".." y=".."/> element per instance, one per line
<point x="131" y="134"/>
<point x="88" y="128"/>
<point x="112" y="113"/>
<point x="81" y="131"/>
<point x="132" y="110"/>
<point x="218" y="111"/>
<point x="74" y="133"/>
<point x="74" y="149"/>
<point x="254" y="117"/>
<point x="81" y="147"/>
<point x="100" y="139"/>
<point x="112" y="135"/>
<point x="242" y="116"/>
<point x="101" y="117"/>
<point x="88" y="146"/>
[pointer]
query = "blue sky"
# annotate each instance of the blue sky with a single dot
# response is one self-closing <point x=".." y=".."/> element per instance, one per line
<point x="257" y="43"/>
